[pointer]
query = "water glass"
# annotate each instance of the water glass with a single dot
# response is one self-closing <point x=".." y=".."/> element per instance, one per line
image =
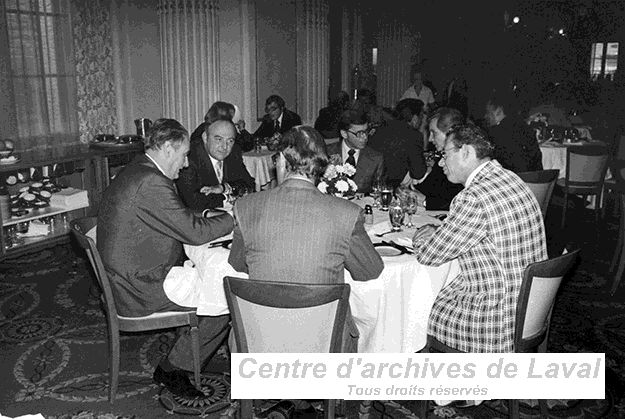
<point x="410" y="205"/>
<point x="386" y="195"/>
<point x="375" y="192"/>
<point x="396" y="215"/>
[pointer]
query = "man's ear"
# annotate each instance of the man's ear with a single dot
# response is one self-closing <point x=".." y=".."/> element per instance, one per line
<point x="343" y="134"/>
<point x="204" y="136"/>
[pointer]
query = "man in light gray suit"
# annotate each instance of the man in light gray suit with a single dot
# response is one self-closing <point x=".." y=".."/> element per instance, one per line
<point x="295" y="233"/>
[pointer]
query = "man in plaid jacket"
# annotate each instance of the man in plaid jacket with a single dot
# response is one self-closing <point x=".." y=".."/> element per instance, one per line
<point x="495" y="229"/>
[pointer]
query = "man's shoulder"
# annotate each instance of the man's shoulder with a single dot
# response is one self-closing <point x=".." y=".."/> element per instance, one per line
<point x="372" y="153"/>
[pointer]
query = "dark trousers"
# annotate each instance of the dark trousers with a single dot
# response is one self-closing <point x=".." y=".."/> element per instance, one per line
<point x="212" y="330"/>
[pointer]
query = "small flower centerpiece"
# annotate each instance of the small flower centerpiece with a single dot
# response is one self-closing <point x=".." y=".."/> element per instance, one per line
<point x="337" y="181"/>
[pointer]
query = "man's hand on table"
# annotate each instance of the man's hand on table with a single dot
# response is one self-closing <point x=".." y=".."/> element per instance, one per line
<point x="422" y="234"/>
<point x="207" y="190"/>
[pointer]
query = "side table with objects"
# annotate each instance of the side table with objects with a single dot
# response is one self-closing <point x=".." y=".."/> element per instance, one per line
<point x="44" y="190"/>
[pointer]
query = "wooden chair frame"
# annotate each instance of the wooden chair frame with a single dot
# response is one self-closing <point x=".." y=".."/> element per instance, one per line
<point x="285" y="295"/>
<point x="117" y="323"/>
<point x="581" y="187"/>
<point x="552" y="270"/>
<point x="541" y="177"/>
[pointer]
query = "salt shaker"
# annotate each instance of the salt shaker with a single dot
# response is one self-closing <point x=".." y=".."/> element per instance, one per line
<point x="368" y="214"/>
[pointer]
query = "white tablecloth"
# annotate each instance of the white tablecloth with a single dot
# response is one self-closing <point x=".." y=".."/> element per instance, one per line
<point x="261" y="166"/>
<point x="391" y="312"/>
<point x="554" y="155"/>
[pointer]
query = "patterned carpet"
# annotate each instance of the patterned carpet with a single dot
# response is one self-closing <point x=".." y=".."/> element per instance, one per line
<point x="54" y="360"/>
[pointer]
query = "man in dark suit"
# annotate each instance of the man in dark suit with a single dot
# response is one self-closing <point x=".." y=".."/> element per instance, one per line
<point x="353" y="149"/>
<point x="400" y="145"/>
<point x="516" y="147"/>
<point x="142" y="225"/>
<point x="295" y="233"/>
<point x="215" y="169"/>
<point x="278" y="119"/>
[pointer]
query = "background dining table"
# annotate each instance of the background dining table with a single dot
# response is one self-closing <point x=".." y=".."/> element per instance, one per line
<point x="391" y="312"/>
<point x="261" y="166"/>
<point x="554" y="154"/>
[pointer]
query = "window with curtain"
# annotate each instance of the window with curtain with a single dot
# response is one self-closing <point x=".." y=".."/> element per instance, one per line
<point x="42" y="71"/>
<point x="603" y="59"/>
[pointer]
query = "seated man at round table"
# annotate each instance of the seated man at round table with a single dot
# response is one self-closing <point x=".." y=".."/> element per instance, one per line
<point x="295" y="233"/>
<point x="495" y="229"/>
<point x="216" y="168"/>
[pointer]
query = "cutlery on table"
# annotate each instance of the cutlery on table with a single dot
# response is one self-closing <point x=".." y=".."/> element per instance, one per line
<point x="223" y="243"/>
<point x="382" y="234"/>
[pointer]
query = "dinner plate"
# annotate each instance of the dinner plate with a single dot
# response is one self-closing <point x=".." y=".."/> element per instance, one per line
<point x="386" y="250"/>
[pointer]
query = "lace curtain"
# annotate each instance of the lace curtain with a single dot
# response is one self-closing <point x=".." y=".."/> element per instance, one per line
<point x="398" y="51"/>
<point x="42" y="72"/>
<point x="189" y="58"/>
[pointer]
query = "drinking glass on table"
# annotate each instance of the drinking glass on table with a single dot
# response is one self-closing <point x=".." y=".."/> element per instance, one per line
<point x="410" y="205"/>
<point x="375" y="192"/>
<point x="396" y="216"/>
<point x="386" y="195"/>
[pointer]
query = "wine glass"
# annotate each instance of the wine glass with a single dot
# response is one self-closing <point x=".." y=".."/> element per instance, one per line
<point x="396" y="215"/>
<point x="375" y="192"/>
<point x="410" y="207"/>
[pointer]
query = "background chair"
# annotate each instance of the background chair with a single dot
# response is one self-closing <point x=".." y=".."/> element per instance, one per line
<point x="585" y="172"/>
<point x="117" y="323"/>
<point x="537" y="294"/>
<point x="617" y="185"/>
<point x="261" y="324"/>
<point x="541" y="184"/>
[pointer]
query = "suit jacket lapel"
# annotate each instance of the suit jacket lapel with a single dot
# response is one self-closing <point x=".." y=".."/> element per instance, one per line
<point x="205" y="166"/>
<point x="364" y="160"/>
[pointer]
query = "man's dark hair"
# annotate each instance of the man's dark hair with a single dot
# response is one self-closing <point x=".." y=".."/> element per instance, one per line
<point x="406" y="108"/>
<point x="164" y="130"/>
<point x="352" y="117"/>
<point x="472" y="135"/>
<point x="219" y="110"/>
<point x="277" y="100"/>
<point x="446" y="118"/>
<point x="304" y="150"/>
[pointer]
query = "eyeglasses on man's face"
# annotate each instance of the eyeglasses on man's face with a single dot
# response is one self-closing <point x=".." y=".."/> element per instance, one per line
<point x="444" y="151"/>
<point x="362" y="134"/>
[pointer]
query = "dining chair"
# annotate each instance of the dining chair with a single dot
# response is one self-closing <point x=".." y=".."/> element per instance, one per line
<point x="541" y="183"/>
<point x="617" y="185"/>
<point x="540" y="284"/>
<point x="586" y="167"/>
<point x="116" y="323"/>
<point x="261" y="324"/>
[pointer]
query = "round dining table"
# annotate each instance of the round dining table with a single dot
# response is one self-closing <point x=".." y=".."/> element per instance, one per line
<point x="261" y="166"/>
<point x="391" y="312"/>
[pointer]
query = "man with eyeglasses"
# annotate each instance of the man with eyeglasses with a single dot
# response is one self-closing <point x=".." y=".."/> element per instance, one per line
<point x="494" y="229"/>
<point x="277" y="120"/>
<point x="353" y="149"/>
<point x="216" y="168"/>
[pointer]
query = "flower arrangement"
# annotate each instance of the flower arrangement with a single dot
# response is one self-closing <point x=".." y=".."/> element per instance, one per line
<point x="337" y="180"/>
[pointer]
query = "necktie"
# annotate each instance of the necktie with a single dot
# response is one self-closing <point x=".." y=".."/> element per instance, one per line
<point x="351" y="159"/>
<point x="219" y="171"/>
<point x="277" y="126"/>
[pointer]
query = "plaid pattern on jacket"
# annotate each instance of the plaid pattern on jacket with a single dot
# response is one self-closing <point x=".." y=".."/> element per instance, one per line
<point x="495" y="229"/>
